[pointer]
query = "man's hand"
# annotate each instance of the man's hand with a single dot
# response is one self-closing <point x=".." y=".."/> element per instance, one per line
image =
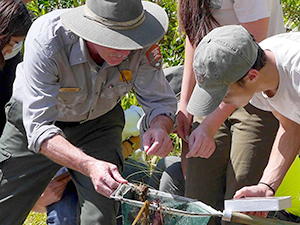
<point x="201" y="142"/>
<point x="157" y="140"/>
<point x="259" y="190"/>
<point x="105" y="176"/>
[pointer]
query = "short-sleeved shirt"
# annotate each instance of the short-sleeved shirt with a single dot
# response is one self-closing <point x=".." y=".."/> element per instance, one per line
<point x="230" y="12"/>
<point x="286" y="101"/>
<point x="59" y="81"/>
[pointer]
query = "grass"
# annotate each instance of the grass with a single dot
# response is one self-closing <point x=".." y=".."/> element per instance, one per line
<point x="36" y="219"/>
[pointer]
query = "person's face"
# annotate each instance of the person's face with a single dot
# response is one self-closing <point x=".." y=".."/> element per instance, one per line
<point x="112" y="56"/>
<point x="239" y="94"/>
<point x="13" y="41"/>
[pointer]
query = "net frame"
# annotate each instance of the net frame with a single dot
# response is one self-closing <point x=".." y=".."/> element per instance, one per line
<point x="173" y="208"/>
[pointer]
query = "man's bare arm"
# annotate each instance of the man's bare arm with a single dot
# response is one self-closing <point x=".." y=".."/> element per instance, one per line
<point x="105" y="176"/>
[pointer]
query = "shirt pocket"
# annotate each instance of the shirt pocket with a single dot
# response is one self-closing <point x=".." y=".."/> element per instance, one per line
<point x="72" y="98"/>
<point x="115" y="92"/>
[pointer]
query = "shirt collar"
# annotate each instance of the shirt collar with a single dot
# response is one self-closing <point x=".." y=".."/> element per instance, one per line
<point x="79" y="53"/>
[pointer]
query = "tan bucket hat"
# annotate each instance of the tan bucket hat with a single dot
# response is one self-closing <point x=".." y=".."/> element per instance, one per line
<point x="118" y="24"/>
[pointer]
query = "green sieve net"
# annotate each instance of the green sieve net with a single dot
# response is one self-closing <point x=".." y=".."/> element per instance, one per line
<point x="162" y="208"/>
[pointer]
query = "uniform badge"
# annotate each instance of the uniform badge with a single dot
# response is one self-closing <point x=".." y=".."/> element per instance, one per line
<point x="154" y="56"/>
<point x="125" y="75"/>
<point x="73" y="89"/>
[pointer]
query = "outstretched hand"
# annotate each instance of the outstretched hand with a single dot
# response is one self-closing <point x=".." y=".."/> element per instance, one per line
<point x="201" y="142"/>
<point x="105" y="177"/>
<point x="259" y="190"/>
<point x="156" y="140"/>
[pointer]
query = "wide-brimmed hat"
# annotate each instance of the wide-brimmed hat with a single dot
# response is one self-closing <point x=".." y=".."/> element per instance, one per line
<point x="222" y="57"/>
<point x="118" y="24"/>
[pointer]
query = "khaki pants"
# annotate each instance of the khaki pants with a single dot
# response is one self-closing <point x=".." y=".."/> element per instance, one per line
<point x="24" y="175"/>
<point x="243" y="144"/>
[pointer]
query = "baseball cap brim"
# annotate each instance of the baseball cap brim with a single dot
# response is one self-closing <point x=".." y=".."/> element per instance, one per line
<point x="204" y="102"/>
<point x="149" y="32"/>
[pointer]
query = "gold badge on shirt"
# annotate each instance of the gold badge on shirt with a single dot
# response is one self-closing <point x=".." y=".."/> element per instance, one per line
<point x="72" y="89"/>
<point x="125" y="75"/>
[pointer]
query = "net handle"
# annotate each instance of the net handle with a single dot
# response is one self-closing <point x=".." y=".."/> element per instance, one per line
<point x="247" y="219"/>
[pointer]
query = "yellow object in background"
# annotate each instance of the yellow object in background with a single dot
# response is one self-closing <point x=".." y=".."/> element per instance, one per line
<point x="290" y="186"/>
<point x="128" y="148"/>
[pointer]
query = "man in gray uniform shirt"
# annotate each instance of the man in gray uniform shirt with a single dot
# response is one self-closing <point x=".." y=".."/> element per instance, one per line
<point x="65" y="109"/>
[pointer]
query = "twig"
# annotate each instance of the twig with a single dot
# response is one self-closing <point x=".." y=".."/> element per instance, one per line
<point x="144" y="207"/>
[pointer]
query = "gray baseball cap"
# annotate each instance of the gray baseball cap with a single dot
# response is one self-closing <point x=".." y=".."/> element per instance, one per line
<point x="222" y="57"/>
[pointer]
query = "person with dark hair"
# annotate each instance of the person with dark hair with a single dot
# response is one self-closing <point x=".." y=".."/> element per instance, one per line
<point x="230" y="147"/>
<point x="65" y="109"/>
<point x="272" y="86"/>
<point x="15" y="22"/>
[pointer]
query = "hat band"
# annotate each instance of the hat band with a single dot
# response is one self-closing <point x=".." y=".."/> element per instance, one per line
<point x="89" y="14"/>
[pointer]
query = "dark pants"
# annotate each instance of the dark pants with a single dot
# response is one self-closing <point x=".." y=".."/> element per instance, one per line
<point x="172" y="181"/>
<point x="7" y="77"/>
<point x="243" y="145"/>
<point x="24" y="175"/>
<point x="64" y="211"/>
<point x="168" y="177"/>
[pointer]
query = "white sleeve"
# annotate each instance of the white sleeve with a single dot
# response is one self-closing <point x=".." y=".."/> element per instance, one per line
<point x="250" y="11"/>
<point x="261" y="103"/>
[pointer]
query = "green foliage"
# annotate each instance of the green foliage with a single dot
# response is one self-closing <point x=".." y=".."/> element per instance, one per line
<point x="291" y="11"/>
<point x="172" y="44"/>
<point x="41" y="7"/>
<point x="177" y="145"/>
<point x="128" y="100"/>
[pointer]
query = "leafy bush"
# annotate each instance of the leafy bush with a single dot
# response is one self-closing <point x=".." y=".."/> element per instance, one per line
<point x="41" y="7"/>
<point x="172" y="44"/>
<point x="291" y="11"/>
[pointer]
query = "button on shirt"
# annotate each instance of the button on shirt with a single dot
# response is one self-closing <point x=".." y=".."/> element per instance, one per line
<point x="58" y="81"/>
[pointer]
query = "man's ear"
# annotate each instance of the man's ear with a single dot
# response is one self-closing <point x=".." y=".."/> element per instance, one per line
<point x="252" y="76"/>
